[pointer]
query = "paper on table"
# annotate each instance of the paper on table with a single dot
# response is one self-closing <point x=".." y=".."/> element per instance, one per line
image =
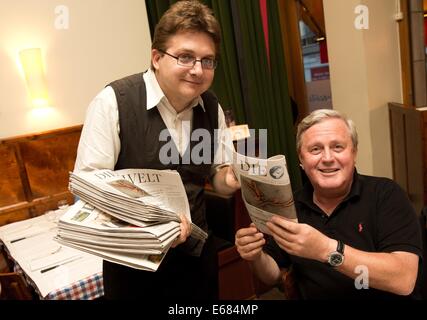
<point x="68" y="266"/>
<point x="29" y="233"/>
<point x="25" y="229"/>
<point x="67" y="275"/>
<point x="59" y="256"/>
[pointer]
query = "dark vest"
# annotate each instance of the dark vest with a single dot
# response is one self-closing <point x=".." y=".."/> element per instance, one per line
<point x="140" y="146"/>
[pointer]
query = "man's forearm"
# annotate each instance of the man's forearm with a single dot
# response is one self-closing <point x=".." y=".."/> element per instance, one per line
<point x="266" y="269"/>
<point x="393" y="272"/>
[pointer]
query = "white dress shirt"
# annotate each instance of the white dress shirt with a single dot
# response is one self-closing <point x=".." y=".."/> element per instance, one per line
<point x="99" y="145"/>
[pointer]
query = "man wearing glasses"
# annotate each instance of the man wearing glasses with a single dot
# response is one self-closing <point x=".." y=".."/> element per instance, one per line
<point x="122" y="130"/>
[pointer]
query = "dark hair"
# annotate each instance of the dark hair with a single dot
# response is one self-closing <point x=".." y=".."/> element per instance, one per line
<point x="186" y="16"/>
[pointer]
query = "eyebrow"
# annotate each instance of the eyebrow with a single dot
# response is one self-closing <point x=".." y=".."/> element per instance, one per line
<point x="189" y="51"/>
<point x="318" y="143"/>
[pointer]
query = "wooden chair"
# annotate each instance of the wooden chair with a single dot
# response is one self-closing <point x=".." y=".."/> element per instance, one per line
<point x="6" y="264"/>
<point x="13" y="287"/>
<point x="289" y="285"/>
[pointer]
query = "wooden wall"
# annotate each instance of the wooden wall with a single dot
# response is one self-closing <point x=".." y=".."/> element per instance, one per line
<point x="408" y="128"/>
<point x="34" y="172"/>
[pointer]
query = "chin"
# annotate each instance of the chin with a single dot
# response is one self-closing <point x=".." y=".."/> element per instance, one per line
<point x="191" y="92"/>
<point x="332" y="185"/>
<point x="333" y="188"/>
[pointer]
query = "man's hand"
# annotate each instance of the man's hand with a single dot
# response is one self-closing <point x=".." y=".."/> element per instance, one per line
<point x="300" y="239"/>
<point x="185" y="231"/>
<point x="249" y="243"/>
<point x="231" y="180"/>
<point x="225" y="182"/>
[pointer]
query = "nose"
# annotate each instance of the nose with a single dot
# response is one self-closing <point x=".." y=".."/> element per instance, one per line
<point x="197" y="68"/>
<point x="327" y="155"/>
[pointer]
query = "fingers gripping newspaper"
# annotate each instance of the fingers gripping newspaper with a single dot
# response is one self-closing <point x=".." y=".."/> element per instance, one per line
<point x="266" y="188"/>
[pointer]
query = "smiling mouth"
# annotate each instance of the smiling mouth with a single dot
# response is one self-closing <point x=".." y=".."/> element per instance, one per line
<point x="192" y="82"/>
<point x="328" y="170"/>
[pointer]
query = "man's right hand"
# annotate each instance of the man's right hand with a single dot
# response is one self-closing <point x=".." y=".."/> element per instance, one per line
<point x="249" y="243"/>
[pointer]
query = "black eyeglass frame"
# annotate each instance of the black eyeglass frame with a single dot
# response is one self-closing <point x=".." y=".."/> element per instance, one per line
<point x="215" y="62"/>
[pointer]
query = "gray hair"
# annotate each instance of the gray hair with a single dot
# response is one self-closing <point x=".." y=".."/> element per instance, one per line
<point x="320" y="115"/>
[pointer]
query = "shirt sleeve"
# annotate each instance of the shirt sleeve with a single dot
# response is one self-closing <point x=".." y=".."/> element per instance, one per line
<point x="99" y="144"/>
<point x="398" y="228"/>
<point x="221" y="158"/>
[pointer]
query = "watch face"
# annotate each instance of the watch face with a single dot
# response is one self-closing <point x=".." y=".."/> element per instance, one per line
<point x="336" y="259"/>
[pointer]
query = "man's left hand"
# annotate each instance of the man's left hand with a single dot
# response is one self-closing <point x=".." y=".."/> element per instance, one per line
<point x="231" y="180"/>
<point x="185" y="231"/>
<point x="300" y="239"/>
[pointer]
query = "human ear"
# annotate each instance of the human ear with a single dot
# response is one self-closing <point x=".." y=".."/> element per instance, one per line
<point x="155" y="57"/>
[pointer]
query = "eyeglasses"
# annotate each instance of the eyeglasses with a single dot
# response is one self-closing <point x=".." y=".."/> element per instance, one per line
<point x="187" y="60"/>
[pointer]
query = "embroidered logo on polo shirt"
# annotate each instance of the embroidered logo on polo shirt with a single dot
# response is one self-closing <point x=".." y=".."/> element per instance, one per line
<point x="360" y="227"/>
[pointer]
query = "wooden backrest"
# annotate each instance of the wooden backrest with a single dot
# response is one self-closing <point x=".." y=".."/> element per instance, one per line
<point x="408" y="139"/>
<point x="13" y="287"/>
<point x="6" y="264"/>
<point x="34" y="172"/>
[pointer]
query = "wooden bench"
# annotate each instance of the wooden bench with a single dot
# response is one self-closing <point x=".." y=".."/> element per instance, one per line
<point x="34" y="172"/>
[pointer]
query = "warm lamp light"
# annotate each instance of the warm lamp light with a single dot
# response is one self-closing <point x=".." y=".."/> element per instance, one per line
<point x="32" y="65"/>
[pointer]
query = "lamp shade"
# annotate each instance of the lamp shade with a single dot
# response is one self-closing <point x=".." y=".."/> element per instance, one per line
<point x="32" y="65"/>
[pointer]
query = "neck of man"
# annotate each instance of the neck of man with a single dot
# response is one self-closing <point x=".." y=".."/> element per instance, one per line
<point x="178" y="104"/>
<point x="329" y="201"/>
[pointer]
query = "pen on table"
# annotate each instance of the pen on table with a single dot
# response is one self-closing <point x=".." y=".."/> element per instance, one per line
<point x="50" y="268"/>
<point x="31" y="235"/>
<point x="19" y="239"/>
<point x="58" y="265"/>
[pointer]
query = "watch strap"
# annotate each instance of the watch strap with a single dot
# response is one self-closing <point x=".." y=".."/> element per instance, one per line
<point x="340" y="247"/>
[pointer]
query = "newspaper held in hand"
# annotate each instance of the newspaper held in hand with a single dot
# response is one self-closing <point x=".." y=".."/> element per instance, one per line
<point x="266" y="188"/>
<point x="84" y="224"/>
<point x="88" y="229"/>
<point x="136" y="196"/>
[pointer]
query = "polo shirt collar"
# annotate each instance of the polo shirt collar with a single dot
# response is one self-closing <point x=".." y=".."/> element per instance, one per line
<point x="155" y="94"/>
<point x="306" y="195"/>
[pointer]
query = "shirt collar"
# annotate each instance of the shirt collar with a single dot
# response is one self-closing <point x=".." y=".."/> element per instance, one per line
<point x="155" y="94"/>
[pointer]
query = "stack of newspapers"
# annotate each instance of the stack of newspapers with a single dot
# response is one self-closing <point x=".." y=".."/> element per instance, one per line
<point x="128" y="216"/>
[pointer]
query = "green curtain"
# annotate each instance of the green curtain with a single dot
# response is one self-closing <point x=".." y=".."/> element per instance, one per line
<point x="155" y="10"/>
<point x="245" y="82"/>
<point x="227" y="85"/>
<point x="282" y="107"/>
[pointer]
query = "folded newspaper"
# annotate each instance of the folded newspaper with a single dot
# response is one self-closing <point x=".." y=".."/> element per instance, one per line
<point x="129" y="217"/>
<point x="137" y="196"/>
<point x="266" y="188"/>
<point x="88" y="229"/>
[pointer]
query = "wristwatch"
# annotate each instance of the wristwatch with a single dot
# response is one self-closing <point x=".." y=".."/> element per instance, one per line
<point x="336" y="258"/>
